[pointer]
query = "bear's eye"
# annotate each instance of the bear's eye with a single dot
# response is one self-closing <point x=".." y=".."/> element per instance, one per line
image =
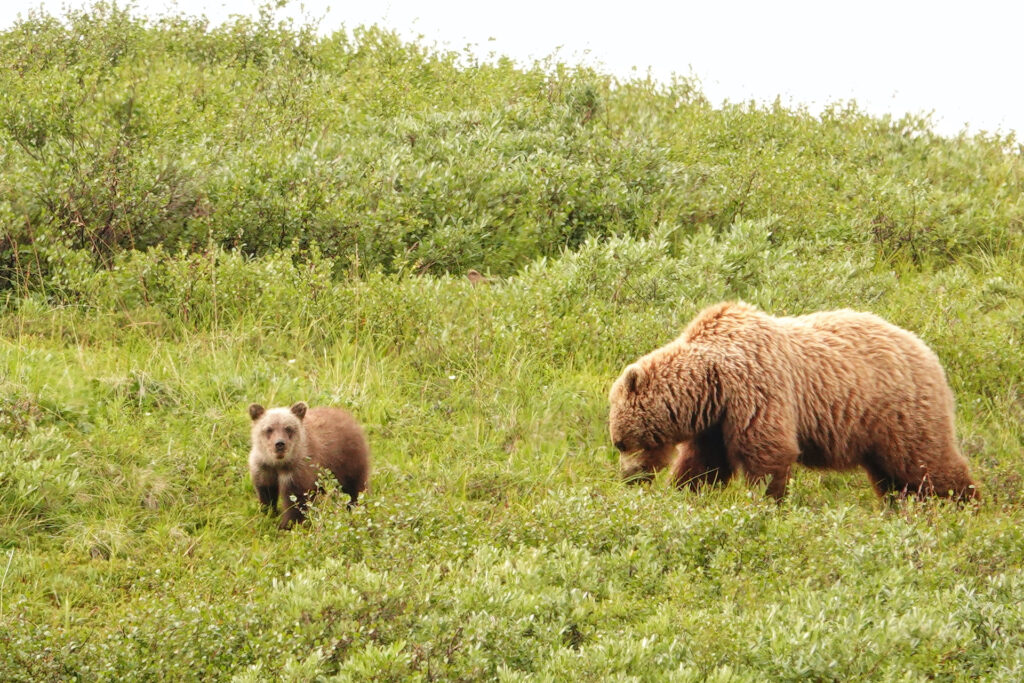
<point x="269" y="431"/>
<point x="289" y="431"/>
<point x="620" y="445"/>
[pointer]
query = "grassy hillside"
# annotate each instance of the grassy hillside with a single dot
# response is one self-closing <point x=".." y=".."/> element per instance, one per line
<point x="193" y="218"/>
<point x="122" y="133"/>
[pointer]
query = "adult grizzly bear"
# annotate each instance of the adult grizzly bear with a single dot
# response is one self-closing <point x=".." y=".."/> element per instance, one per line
<point x="743" y="390"/>
<point x="291" y="445"/>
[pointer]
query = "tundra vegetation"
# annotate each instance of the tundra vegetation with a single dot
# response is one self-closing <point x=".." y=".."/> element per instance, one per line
<point x="196" y="217"/>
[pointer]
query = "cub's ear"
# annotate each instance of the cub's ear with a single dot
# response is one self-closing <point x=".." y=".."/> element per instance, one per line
<point x="256" y="411"/>
<point x="634" y="379"/>
<point x="299" y="409"/>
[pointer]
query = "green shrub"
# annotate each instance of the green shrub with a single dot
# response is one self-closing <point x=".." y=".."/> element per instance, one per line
<point x="124" y="133"/>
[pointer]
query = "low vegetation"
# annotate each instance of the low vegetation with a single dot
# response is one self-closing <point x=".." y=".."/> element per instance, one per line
<point x="194" y="217"/>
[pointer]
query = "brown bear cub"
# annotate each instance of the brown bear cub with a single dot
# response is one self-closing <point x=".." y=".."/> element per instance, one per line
<point x="290" y="446"/>
<point x="741" y="390"/>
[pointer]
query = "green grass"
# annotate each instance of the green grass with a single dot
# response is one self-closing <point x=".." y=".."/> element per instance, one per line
<point x="496" y="540"/>
<point x="139" y="318"/>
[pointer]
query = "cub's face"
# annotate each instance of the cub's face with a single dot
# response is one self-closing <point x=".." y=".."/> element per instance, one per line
<point x="276" y="431"/>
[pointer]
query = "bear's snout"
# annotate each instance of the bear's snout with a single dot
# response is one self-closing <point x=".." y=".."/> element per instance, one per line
<point x="279" y="447"/>
<point x="634" y="473"/>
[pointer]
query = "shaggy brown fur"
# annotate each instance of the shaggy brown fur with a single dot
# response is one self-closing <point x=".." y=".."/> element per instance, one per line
<point x="743" y="390"/>
<point x="291" y="445"/>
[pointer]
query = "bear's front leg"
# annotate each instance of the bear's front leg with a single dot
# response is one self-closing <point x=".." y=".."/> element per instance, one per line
<point x="777" y="485"/>
<point x="773" y="467"/>
<point x="350" y="487"/>
<point x="767" y="450"/>
<point x="702" y="460"/>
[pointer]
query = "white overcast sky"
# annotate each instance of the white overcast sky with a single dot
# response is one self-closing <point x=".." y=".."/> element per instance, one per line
<point x="962" y="61"/>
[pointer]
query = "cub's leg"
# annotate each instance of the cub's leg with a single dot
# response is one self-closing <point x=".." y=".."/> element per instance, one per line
<point x="351" y="487"/>
<point x="295" y="510"/>
<point x="264" y="479"/>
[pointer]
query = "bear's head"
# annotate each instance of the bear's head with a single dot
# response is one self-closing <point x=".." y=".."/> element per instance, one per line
<point x="661" y="400"/>
<point x="277" y="431"/>
<point x="641" y="424"/>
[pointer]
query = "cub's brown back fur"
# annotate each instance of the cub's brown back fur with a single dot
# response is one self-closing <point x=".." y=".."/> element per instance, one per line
<point x="335" y="441"/>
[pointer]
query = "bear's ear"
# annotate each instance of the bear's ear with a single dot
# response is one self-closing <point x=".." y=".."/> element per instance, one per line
<point x="256" y="411"/>
<point x="299" y="409"/>
<point x="634" y="379"/>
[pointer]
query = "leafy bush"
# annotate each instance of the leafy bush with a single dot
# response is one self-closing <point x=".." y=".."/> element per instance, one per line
<point x="125" y="133"/>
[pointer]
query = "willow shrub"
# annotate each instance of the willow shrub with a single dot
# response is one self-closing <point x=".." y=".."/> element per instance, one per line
<point x="123" y="133"/>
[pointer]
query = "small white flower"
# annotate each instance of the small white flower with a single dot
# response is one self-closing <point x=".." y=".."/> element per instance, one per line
<point x="451" y="376"/>
<point x="291" y="361"/>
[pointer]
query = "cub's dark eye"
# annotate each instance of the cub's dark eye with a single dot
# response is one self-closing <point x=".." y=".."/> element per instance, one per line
<point x="620" y="445"/>
<point x="289" y="430"/>
<point x="269" y="431"/>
